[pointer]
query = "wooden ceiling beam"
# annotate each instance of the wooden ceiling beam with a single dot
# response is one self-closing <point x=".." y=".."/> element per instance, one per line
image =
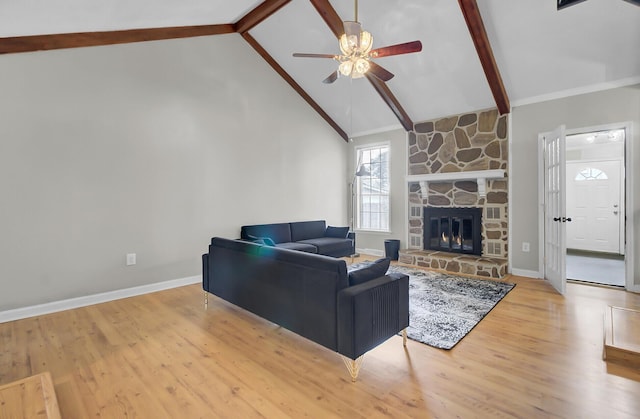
<point x="391" y="101"/>
<point x="485" y="53"/>
<point x="330" y="16"/>
<point x="257" y="15"/>
<point x="91" y="39"/>
<point x="269" y="59"/>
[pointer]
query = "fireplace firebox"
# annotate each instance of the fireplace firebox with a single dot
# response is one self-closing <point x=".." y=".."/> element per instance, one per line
<point x="456" y="230"/>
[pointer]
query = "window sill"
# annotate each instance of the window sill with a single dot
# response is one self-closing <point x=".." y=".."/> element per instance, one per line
<point x="380" y="232"/>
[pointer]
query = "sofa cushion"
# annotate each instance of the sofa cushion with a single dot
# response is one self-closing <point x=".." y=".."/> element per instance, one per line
<point x="330" y="246"/>
<point x="304" y="230"/>
<point x="373" y="270"/>
<point x="303" y="247"/>
<point x="337" y="232"/>
<point x="279" y="233"/>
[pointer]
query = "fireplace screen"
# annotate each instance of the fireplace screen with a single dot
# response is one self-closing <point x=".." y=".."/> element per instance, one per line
<point x="453" y="230"/>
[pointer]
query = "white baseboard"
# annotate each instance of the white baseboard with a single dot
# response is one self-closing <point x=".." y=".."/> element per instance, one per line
<point x="526" y="273"/>
<point x="55" y="306"/>
<point x="635" y="288"/>
<point x="371" y="252"/>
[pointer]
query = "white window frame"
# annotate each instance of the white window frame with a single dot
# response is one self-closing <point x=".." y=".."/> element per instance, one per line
<point x="359" y="189"/>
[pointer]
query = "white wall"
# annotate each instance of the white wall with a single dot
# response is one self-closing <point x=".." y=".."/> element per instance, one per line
<point x="587" y="110"/>
<point x="149" y="148"/>
<point x="368" y="241"/>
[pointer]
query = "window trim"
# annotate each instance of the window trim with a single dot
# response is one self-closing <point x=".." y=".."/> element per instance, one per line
<point x="358" y="150"/>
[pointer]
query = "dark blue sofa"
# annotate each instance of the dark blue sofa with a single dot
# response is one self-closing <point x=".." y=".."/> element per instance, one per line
<point x="306" y="236"/>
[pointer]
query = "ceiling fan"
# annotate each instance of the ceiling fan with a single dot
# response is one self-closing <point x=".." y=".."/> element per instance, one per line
<point x="356" y="53"/>
<point x="566" y="3"/>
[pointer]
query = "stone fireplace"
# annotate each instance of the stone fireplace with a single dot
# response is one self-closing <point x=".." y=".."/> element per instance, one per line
<point x="457" y="164"/>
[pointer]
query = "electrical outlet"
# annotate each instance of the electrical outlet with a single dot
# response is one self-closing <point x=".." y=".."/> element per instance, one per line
<point x="525" y="246"/>
<point x="131" y="259"/>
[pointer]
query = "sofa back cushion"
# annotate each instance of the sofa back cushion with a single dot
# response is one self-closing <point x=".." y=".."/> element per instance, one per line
<point x="279" y="233"/>
<point x="235" y="245"/>
<point x="304" y="230"/>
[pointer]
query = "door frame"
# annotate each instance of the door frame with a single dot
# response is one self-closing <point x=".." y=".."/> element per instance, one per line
<point x="629" y="255"/>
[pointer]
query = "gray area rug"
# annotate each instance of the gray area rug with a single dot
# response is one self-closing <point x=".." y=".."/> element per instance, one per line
<point x="443" y="308"/>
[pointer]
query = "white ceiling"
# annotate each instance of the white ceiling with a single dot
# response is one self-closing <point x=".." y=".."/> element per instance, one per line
<point x="541" y="52"/>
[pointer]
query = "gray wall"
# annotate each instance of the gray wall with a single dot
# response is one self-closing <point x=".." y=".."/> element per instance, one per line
<point x="600" y="108"/>
<point x="368" y="241"/>
<point x="149" y="148"/>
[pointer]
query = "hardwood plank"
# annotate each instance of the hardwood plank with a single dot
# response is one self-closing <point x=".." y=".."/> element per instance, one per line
<point x="31" y="397"/>
<point x="536" y="354"/>
<point x="621" y="338"/>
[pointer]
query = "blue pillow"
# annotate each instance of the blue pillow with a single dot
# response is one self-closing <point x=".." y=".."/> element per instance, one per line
<point x="374" y="270"/>
<point x="337" y="232"/>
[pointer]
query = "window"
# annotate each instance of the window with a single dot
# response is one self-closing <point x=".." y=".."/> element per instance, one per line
<point x="591" y="174"/>
<point x="373" y="189"/>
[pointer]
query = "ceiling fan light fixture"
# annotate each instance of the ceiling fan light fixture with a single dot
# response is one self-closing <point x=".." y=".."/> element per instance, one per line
<point x="361" y="66"/>
<point x="366" y="42"/>
<point x="357" y="53"/>
<point x="355" y="41"/>
<point x="346" y="67"/>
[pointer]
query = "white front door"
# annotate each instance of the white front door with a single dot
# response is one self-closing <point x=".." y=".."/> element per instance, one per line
<point x="554" y="195"/>
<point x="594" y="206"/>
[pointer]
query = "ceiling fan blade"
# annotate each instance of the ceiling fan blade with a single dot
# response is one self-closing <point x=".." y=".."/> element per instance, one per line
<point x="330" y="16"/>
<point x="332" y="77"/>
<point x="406" y="48"/>
<point x="380" y="72"/>
<point x="566" y="3"/>
<point x="300" y="54"/>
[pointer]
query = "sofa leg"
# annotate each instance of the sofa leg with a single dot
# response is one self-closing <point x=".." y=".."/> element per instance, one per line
<point x="353" y="365"/>
<point x="404" y="337"/>
<point x="206" y="300"/>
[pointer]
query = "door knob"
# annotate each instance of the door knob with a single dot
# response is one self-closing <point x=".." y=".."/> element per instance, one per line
<point x="556" y="218"/>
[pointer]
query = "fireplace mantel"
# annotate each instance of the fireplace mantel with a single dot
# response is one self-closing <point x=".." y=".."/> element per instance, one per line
<point x="480" y="176"/>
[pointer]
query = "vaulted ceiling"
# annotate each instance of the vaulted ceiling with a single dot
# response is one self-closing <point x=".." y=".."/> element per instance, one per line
<point x="476" y="54"/>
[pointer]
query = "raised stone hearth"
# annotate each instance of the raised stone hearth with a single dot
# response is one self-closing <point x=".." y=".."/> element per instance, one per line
<point x="455" y="263"/>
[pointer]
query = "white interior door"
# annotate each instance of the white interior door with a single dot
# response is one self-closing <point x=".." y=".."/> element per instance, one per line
<point x="555" y="232"/>
<point x="593" y="204"/>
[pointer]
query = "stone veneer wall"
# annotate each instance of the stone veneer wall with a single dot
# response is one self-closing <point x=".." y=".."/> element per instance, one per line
<point x="468" y="142"/>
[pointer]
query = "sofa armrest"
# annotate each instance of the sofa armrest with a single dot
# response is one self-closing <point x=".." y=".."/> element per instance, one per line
<point x="372" y="312"/>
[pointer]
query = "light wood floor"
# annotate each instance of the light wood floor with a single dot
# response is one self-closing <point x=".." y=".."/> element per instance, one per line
<point x="162" y="355"/>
